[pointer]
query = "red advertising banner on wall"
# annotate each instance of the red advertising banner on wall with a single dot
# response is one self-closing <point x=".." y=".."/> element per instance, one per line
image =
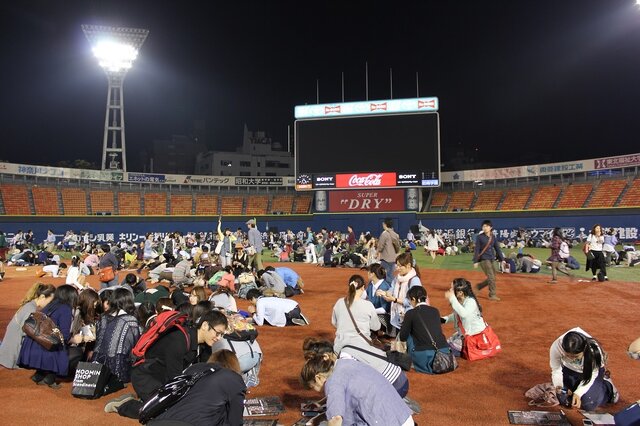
<point x="373" y="200"/>
<point x="365" y="180"/>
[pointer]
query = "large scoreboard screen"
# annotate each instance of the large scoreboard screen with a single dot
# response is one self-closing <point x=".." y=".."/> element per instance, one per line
<point x="376" y="150"/>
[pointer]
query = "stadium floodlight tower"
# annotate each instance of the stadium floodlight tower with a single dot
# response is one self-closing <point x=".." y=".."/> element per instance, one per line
<point x="115" y="48"/>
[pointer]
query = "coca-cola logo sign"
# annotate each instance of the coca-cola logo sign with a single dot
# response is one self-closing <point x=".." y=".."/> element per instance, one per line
<point x="366" y="180"/>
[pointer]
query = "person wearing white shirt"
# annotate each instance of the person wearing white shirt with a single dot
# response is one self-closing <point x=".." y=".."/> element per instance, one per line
<point x="54" y="271"/>
<point x="466" y="311"/>
<point x="578" y="366"/>
<point x="274" y="310"/>
<point x="595" y="256"/>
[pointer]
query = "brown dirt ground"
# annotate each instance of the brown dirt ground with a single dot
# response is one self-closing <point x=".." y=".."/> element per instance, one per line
<point x="529" y="317"/>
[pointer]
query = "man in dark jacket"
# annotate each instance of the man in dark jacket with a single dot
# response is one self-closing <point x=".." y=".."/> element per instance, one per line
<point x="486" y="251"/>
<point x="167" y="358"/>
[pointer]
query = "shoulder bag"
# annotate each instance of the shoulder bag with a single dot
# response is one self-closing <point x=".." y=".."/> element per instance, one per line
<point x="39" y="327"/>
<point x="106" y="274"/>
<point x="481" y="345"/>
<point x="443" y="362"/>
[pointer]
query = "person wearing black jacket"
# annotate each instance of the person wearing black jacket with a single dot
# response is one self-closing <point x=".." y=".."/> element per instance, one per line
<point x="167" y="358"/>
<point x="486" y="251"/>
<point x="216" y="399"/>
<point x="419" y="342"/>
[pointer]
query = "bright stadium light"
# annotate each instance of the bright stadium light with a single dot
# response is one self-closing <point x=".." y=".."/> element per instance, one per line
<point x="115" y="48"/>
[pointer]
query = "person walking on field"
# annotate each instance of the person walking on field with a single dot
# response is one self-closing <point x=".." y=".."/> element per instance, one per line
<point x="486" y="251"/>
<point x="255" y="241"/>
<point x="388" y="248"/>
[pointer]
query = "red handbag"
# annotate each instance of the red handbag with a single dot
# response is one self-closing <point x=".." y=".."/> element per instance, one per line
<point x="482" y="345"/>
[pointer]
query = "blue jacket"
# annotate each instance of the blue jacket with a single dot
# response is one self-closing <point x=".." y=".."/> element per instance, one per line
<point x="379" y="302"/>
<point x="35" y="356"/>
<point x="289" y="276"/>
<point x="490" y="253"/>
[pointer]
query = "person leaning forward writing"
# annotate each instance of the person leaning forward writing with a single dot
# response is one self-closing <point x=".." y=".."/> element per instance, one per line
<point x="486" y="251"/>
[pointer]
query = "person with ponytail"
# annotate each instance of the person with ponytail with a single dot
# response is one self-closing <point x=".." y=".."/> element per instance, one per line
<point x="466" y="311"/>
<point x="376" y="288"/>
<point x="38" y="296"/>
<point x="422" y="328"/>
<point x="408" y="275"/>
<point x="356" y="393"/>
<point x="354" y="309"/>
<point x="578" y="366"/>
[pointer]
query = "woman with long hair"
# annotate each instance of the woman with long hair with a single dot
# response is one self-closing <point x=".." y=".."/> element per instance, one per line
<point x="197" y="294"/>
<point x="74" y="274"/>
<point x="38" y="296"/>
<point x="466" y="311"/>
<point x="354" y="317"/>
<point x="555" y="259"/>
<point x="408" y="275"/>
<point x="117" y="333"/>
<point x="595" y="256"/>
<point x="356" y="393"/>
<point x="433" y="242"/>
<point x="49" y="364"/>
<point x="578" y="367"/>
<point x="83" y="328"/>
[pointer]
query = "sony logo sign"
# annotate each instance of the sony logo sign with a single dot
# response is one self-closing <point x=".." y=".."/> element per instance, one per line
<point x="407" y="176"/>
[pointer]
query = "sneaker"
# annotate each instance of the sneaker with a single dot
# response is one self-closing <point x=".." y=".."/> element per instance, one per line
<point x="113" y="405"/>
<point x="494" y="298"/>
<point x="413" y="405"/>
<point x="553" y="282"/>
<point x="615" y="395"/>
<point x="305" y="319"/>
<point x="606" y="278"/>
<point x="298" y="321"/>
<point x="594" y="278"/>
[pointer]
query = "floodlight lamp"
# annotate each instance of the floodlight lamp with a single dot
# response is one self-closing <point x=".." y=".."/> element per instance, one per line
<point x="114" y="56"/>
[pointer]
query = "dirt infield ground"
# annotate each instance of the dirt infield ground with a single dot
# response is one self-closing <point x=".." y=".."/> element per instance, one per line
<point x="530" y="316"/>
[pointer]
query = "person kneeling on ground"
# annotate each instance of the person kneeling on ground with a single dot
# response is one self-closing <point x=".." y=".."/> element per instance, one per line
<point x="166" y="358"/>
<point x="215" y="399"/>
<point x="466" y="311"/>
<point x="356" y="393"/>
<point x="420" y="329"/>
<point x="271" y="284"/>
<point x="274" y="310"/>
<point x="578" y="370"/>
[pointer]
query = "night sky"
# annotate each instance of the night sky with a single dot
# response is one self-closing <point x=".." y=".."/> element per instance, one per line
<point x="522" y="81"/>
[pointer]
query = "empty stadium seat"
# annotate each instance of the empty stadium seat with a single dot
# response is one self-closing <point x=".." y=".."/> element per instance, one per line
<point x="74" y="201"/>
<point x="488" y="200"/>
<point x="607" y="193"/>
<point x="231" y="205"/>
<point x="257" y="205"/>
<point x="544" y="197"/>
<point x="282" y="204"/>
<point x="129" y="203"/>
<point x="206" y="205"/>
<point x="439" y="200"/>
<point x="15" y="199"/>
<point x="516" y="199"/>
<point x="155" y="203"/>
<point x="45" y="200"/>
<point x="181" y="204"/>
<point x="303" y="204"/>
<point x="461" y="200"/>
<point x="102" y="201"/>
<point x="631" y="198"/>
<point x="575" y="195"/>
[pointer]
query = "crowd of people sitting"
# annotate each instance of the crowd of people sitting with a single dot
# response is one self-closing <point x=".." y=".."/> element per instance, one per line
<point x="184" y="319"/>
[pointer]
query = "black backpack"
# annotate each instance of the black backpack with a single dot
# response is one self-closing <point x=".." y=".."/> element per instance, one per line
<point x="170" y="394"/>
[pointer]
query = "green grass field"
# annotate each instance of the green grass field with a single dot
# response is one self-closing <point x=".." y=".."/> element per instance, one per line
<point x="463" y="262"/>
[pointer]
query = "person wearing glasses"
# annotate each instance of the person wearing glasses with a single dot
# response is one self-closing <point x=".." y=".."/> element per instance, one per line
<point x="166" y="358"/>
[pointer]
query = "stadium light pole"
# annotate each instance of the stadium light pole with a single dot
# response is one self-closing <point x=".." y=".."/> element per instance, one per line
<point x="115" y="48"/>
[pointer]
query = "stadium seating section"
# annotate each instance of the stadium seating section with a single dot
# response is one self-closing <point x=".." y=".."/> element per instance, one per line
<point x="15" y="199"/>
<point x="488" y="200"/>
<point x="25" y="200"/>
<point x="181" y="204"/>
<point x="129" y="203"/>
<point x="45" y="200"/>
<point x="574" y="195"/>
<point x="206" y="205"/>
<point x="74" y="201"/>
<point x="102" y="202"/>
<point x="631" y="198"/>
